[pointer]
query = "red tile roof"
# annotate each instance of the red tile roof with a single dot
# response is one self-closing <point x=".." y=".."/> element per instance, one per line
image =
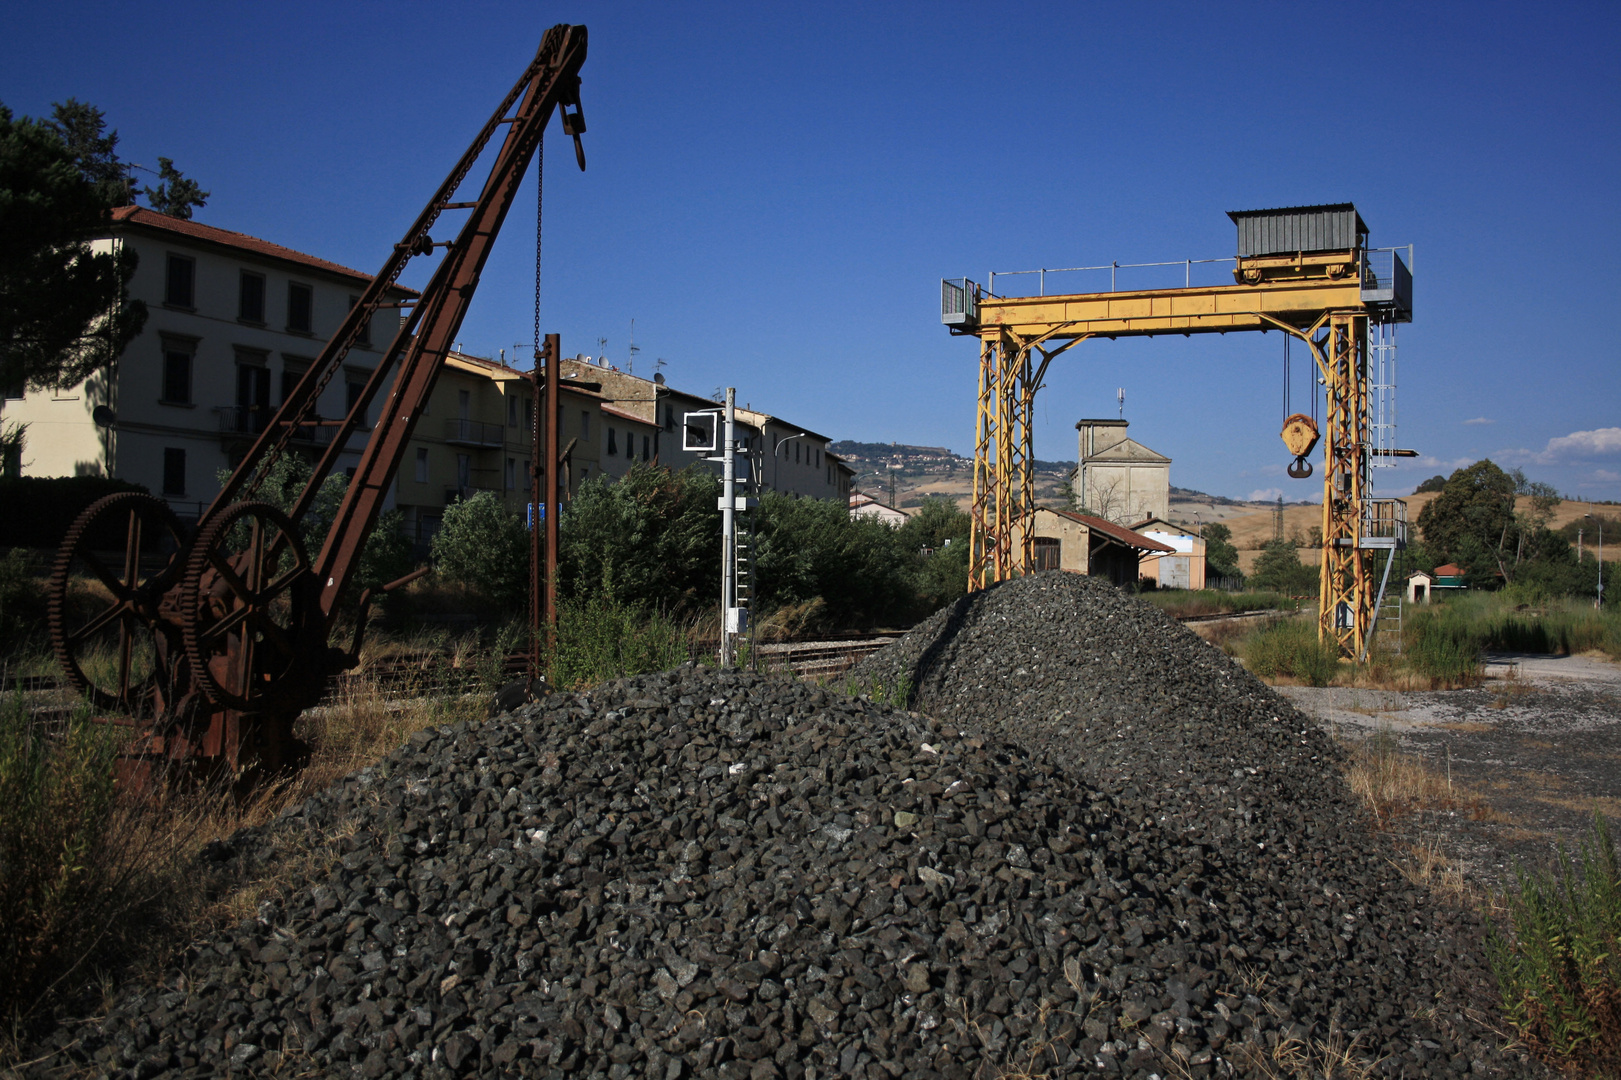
<point x="1115" y="532"/>
<point x="195" y="230"/>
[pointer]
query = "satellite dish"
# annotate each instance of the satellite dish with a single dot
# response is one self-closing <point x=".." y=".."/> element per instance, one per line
<point x="103" y="416"/>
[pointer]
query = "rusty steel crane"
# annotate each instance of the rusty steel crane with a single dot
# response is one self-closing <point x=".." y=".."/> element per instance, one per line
<point x="1306" y="271"/>
<point x="211" y="641"/>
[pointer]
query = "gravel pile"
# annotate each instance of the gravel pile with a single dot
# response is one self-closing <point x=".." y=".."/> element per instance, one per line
<point x="1120" y="695"/>
<point x="718" y="874"/>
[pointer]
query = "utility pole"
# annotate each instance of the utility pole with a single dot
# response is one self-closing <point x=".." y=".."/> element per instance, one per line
<point x="731" y="616"/>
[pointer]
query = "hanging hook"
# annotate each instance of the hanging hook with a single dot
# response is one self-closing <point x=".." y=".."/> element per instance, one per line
<point x="1300" y="469"/>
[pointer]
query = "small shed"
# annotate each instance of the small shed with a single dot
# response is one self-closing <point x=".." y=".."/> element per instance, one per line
<point x="1185" y="568"/>
<point x="1083" y="544"/>
<point x="1450" y="576"/>
<point x="1419" y="586"/>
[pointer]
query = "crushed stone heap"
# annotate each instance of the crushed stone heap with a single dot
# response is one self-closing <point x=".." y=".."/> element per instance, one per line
<point x="1117" y="693"/>
<point x="720" y="874"/>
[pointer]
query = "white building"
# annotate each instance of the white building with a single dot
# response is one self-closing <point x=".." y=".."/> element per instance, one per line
<point x="233" y="321"/>
<point x="1119" y="478"/>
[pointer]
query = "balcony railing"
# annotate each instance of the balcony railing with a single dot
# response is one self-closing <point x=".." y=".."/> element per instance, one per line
<point x="252" y="421"/>
<point x="474" y="433"/>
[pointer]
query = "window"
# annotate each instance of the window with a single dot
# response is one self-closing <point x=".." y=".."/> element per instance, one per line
<point x="630" y="445"/>
<point x="179" y="282"/>
<point x="669" y="418"/>
<point x="354" y="390"/>
<point x="585" y="424"/>
<point x="364" y="337"/>
<point x="422" y="464"/>
<point x="174" y="471"/>
<point x="528" y="475"/>
<point x="13" y="391"/>
<point x="646" y="442"/>
<point x="512" y="474"/>
<point x="176" y="377"/>
<point x="512" y="411"/>
<point x="250" y="298"/>
<point x="1047" y="550"/>
<point x="529" y="414"/>
<point x="290" y="374"/>
<point x="818" y="457"/>
<point x="464" y="471"/>
<point x="300" y="308"/>
<point x="613" y="444"/>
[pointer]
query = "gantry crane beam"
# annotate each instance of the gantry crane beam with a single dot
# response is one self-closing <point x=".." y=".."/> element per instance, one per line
<point x="1020" y="336"/>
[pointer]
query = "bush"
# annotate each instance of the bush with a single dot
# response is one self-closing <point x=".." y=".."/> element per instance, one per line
<point x="651" y="540"/>
<point x="1560" y="974"/>
<point x="40" y="509"/>
<point x="60" y="870"/>
<point x="1291" y="649"/>
<point x="482" y="546"/>
<point x="22" y="601"/>
<point x="805" y="548"/>
<point x="1279" y="569"/>
<point x="600" y="639"/>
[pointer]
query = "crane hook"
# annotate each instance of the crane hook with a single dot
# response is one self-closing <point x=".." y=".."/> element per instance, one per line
<point x="1300" y="469"/>
<point x="574" y="124"/>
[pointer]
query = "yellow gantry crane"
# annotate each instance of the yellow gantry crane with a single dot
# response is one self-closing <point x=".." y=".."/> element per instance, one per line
<point x="1306" y="271"/>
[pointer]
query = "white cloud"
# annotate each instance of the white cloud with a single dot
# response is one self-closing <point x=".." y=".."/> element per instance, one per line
<point x="1600" y="442"/>
<point x="1605" y="476"/>
<point x="1265" y="494"/>
<point x="1481" y="420"/>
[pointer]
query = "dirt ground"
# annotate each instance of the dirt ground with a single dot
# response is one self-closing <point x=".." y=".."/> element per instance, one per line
<point x="1538" y="744"/>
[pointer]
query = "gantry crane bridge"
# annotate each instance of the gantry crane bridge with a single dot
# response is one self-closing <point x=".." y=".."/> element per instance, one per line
<point x="1306" y="271"/>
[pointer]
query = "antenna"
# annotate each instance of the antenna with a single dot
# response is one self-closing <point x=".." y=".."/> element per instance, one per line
<point x="602" y="351"/>
<point x="659" y="365"/>
<point x="1120" y="397"/>
<point x="630" y="364"/>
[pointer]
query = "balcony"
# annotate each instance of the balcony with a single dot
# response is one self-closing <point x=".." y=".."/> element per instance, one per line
<point x="475" y="433"/>
<point x="251" y="422"/>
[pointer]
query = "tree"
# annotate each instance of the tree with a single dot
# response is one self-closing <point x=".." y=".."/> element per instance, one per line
<point x="1279" y="568"/>
<point x="1434" y="483"/>
<point x="174" y="195"/>
<point x="1220" y="556"/>
<point x="64" y="309"/>
<point x="810" y="548"/>
<point x="483" y="547"/>
<point x="83" y="129"/>
<point x="1470" y="522"/>
<point x="651" y="541"/>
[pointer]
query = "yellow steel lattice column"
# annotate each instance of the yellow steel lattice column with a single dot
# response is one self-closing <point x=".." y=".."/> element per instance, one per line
<point x="981" y="510"/>
<point x="1344" y="600"/>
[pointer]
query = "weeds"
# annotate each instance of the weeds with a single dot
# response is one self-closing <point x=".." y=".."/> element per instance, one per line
<point x="1560" y="973"/>
<point x="1292" y="649"/>
<point x="1395" y="784"/>
<point x="601" y="639"/>
<point x="1180" y="603"/>
<point x="896" y="692"/>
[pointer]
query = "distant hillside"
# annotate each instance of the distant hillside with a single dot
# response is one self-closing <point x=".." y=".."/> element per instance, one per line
<point x="921" y="472"/>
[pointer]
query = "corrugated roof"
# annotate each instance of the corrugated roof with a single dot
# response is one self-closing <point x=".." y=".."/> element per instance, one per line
<point x="195" y="230"/>
<point x="1115" y="532"/>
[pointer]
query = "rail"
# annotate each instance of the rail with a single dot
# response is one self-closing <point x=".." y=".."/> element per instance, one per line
<point x="1113" y="269"/>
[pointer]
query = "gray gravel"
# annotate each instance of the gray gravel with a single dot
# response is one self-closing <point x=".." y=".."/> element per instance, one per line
<point x="1110" y="852"/>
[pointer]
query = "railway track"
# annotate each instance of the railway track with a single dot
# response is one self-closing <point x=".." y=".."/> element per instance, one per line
<point x="427" y="673"/>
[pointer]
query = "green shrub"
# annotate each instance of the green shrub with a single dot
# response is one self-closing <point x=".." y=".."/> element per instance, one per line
<point x="60" y="867"/>
<point x="482" y="546"/>
<point x="1291" y="649"/>
<point x="22" y="601"/>
<point x="1279" y="569"/>
<point x="600" y="639"/>
<point x="1560" y="972"/>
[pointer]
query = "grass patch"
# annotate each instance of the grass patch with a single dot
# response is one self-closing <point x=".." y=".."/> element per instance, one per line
<point x="1181" y="603"/>
<point x="1290" y="649"/>
<point x="1395" y="784"/>
<point x="1560" y="971"/>
<point x="599" y="640"/>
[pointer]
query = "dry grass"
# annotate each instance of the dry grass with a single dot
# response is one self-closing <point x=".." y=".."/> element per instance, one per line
<point x="1424" y="863"/>
<point x="1330" y="1058"/>
<point x="1395" y="784"/>
<point x="168" y="897"/>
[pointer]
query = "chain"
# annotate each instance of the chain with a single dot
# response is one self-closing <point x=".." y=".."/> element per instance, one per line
<point x="540" y="190"/>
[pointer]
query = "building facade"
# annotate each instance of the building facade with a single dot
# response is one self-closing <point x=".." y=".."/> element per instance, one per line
<point x="233" y="322"/>
<point x="1087" y="544"/>
<point x="1184" y="568"/>
<point x="1117" y="477"/>
<point x="477" y="435"/>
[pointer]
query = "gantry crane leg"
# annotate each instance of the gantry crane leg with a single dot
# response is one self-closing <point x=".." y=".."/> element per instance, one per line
<point x="1345" y="609"/>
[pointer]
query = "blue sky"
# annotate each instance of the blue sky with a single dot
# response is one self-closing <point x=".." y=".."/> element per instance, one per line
<point x="774" y="192"/>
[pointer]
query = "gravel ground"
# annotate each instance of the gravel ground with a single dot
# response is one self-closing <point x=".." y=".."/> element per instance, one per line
<point x="1539" y="745"/>
<point x="1102" y="848"/>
